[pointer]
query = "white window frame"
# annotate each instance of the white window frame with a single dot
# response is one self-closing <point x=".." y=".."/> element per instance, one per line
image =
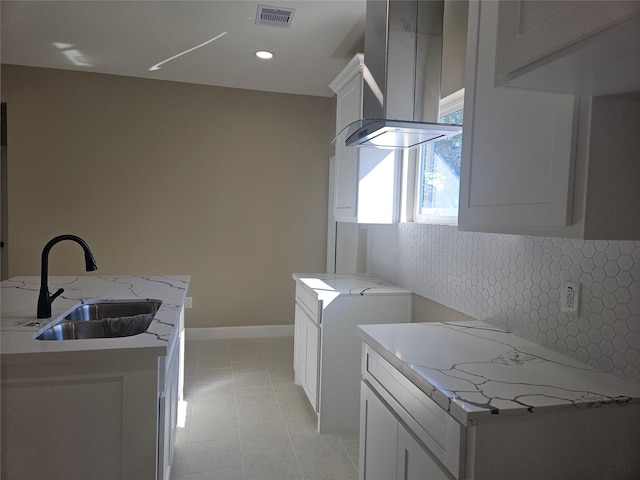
<point x="448" y="105"/>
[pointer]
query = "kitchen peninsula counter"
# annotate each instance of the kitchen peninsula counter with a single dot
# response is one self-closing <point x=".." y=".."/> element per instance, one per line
<point x="19" y="297"/>
<point x="100" y="408"/>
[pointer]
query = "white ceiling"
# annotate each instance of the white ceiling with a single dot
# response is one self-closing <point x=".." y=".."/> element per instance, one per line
<point x="129" y="37"/>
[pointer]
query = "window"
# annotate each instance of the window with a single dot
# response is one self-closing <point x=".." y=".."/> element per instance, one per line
<point x="438" y="176"/>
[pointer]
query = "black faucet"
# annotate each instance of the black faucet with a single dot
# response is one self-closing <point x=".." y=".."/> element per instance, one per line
<point x="44" y="299"/>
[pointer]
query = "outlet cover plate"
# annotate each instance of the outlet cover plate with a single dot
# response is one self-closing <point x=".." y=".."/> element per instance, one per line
<point x="570" y="297"/>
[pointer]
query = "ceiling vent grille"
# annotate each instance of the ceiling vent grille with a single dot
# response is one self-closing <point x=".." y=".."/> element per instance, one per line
<point x="274" y="16"/>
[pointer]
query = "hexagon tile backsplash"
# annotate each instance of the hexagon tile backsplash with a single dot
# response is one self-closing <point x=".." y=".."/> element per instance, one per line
<point x="514" y="282"/>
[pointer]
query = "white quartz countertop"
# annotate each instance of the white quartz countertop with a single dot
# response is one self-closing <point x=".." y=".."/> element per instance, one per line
<point x="337" y="284"/>
<point x="19" y="297"/>
<point x="474" y="370"/>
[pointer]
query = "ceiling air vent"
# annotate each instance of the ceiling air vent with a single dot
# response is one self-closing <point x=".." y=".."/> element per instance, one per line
<point x="274" y="16"/>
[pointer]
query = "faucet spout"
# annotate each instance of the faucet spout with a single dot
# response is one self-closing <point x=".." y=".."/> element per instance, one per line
<point x="44" y="298"/>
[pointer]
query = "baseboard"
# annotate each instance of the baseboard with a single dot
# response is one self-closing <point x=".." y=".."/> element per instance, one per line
<point x="258" y="331"/>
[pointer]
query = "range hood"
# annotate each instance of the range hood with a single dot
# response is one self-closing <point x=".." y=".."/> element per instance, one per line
<point x="401" y="88"/>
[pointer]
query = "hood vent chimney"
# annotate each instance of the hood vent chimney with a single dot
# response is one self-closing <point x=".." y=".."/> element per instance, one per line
<point x="403" y="63"/>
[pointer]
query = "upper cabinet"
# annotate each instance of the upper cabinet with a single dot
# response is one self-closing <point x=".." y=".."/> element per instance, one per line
<point x="518" y="146"/>
<point x="581" y="47"/>
<point x="366" y="180"/>
<point x="539" y="163"/>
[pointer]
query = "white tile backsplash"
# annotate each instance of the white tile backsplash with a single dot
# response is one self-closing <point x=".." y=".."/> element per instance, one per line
<point x="514" y="282"/>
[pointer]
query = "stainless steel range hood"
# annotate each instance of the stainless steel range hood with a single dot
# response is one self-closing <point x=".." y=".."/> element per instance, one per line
<point x="403" y="63"/>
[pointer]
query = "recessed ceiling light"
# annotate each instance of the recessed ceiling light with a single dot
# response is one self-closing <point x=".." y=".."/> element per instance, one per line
<point x="264" y="54"/>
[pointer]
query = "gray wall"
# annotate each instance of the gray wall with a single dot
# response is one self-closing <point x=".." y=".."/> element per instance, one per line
<point x="227" y="185"/>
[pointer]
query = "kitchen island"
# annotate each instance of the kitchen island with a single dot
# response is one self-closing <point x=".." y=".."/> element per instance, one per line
<point x="98" y="408"/>
<point x="470" y="401"/>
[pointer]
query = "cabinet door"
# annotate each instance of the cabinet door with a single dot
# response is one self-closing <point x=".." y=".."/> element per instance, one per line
<point x="518" y="146"/>
<point x="346" y="184"/>
<point x="168" y="409"/>
<point x="378" y="437"/>
<point x="348" y="109"/>
<point x="414" y="462"/>
<point x="299" y="346"/>
<point x="306" y="351"/>
<point x="312" y="363"/>
<point x="564" y="38"/>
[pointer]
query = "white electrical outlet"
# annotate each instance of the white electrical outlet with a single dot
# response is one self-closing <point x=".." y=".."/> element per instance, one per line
<point x="570" y="297"/>
<point x="188" y="302"/>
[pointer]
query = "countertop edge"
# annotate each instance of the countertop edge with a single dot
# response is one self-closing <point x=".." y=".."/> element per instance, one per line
<point x="469" y="413"/>
<point x="423" y="385"/>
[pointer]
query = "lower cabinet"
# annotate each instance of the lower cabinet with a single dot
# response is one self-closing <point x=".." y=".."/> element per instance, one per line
<point x="387" y="448"/>
<point x="94" y="414"/>
<point x="87" y="415"/>
<point x="326" y="347"/>
<point x="379" y="438"/>
<point x="405" y="435"/>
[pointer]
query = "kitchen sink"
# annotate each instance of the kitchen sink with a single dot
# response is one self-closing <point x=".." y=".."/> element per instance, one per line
<point x="103" y="319"/>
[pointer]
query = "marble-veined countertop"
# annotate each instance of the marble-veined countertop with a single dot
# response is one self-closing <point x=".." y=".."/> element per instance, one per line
<point x="340" y="284"/>
<point x="474" y="370"/>
<point x="19" y="297"/>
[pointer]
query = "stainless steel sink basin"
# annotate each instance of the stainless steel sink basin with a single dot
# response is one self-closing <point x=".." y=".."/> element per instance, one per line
<point x="104" y="319"/>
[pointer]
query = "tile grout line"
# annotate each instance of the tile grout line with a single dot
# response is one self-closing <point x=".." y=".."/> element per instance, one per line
<point x="235" y="398"/>
<point x="287" y="427"/>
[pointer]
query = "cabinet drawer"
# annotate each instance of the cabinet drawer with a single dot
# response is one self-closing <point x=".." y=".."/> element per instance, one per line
<point x="308" y="302"/>
<point x="432" y="425"/>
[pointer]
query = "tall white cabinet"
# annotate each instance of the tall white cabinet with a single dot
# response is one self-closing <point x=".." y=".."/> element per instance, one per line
<point x="366" y="180"/>
<point x="328" y="309"/>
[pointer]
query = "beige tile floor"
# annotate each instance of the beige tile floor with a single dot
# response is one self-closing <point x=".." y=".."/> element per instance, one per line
<point x="247" y="420"/>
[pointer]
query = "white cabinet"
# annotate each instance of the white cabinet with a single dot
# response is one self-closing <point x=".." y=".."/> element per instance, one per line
<point x="583" y="47"/>
<point x="366" y="180"/>
<point x="529" y="158"/>
<point x="326" y="346"/>
<point x="93" y="414"/>
<point x="348" y="109"/>
<point x="518" y="146"/>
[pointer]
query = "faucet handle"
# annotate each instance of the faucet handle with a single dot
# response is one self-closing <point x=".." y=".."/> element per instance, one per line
<point x="55" y="295"/>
